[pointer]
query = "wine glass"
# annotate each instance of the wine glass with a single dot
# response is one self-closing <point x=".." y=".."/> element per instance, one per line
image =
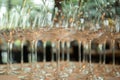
<point x="46" y="68"/>
<point x="90" y="68"/>
<point x="113" y="50"/>
<point x="69" y="67"/>
<point x="12" y="68"/>
<point x="26" y="69"/>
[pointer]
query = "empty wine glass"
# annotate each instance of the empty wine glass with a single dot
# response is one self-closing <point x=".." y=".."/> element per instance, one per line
<point x="68" y="68"/>
<point x="114" y="71"/>
<point x="13" y="67"/>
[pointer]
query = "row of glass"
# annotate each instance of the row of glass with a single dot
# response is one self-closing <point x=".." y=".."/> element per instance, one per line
<point x="61" y="69"/>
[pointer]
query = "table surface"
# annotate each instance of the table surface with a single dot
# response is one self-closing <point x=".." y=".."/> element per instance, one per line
<point x="11" y="77"/>
<point x="8" y="77"/>
<point x="73" y="76"/>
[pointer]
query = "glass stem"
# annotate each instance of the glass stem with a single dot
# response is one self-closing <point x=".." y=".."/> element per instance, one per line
<point x="83" y="53"/>
<point x="90" y="59"/>
<point x="79" y="53"/>
<point x="22" y="55"/>
<point x="100" y="58"/>
<point x="8" y="57"/>
<point x="44" y="54"/>
<point x="100" y="54"/>
<point x="32" y="54"/>
<point x="63" y="46"/>
<point x="52" y="54"/>
<point x="58" y="59"/>
<point x="104" y="53"/>
<point x="113" y="52"/>
<point x="68" y="52"/>
<point x="36" y="52"/>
